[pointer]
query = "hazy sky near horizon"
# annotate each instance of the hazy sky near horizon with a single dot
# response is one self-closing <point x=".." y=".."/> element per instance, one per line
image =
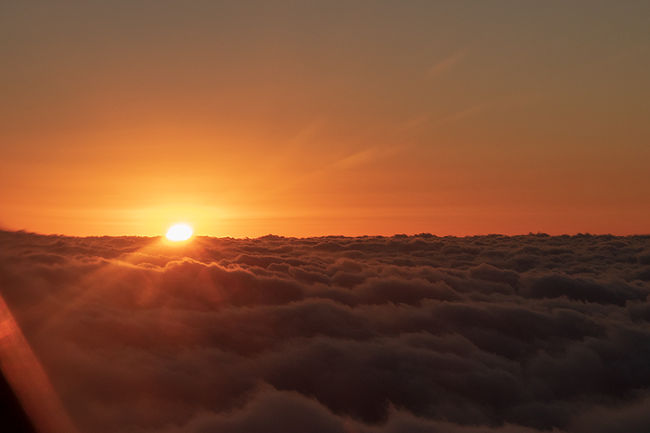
<point x="325" y="117"/>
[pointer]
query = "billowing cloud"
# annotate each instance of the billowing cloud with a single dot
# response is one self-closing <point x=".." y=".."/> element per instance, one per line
<point x="369" y="335"/>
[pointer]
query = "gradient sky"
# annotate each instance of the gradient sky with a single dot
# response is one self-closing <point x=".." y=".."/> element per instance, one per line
<point x="325" y="117"/>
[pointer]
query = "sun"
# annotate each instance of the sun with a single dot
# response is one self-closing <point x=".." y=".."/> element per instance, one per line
<point x="179" y="232"/>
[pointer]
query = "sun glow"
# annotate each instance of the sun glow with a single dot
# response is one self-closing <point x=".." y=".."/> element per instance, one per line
<point x="179" y="232"/>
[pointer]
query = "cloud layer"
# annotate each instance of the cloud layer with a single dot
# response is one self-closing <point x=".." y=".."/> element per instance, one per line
<point x="368" y="335"/>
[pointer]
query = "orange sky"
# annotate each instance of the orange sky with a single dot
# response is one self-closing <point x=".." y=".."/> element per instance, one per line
<point x="248" y="118"/>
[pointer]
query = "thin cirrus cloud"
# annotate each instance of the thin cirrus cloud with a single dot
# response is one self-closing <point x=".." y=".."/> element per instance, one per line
<point x="447" y="64"/>
<point x="337" y="334"/>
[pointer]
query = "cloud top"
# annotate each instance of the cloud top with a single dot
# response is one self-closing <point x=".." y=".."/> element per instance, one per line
<point x="335" y="334"/>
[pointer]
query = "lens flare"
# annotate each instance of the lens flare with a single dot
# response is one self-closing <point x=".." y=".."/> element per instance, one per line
<point x="179" y="232"/>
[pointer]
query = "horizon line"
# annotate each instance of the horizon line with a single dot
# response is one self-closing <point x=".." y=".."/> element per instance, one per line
<point x="395" y="235"/>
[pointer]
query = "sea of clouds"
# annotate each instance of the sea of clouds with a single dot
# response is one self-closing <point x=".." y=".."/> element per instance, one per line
<point x="338" y="334"/>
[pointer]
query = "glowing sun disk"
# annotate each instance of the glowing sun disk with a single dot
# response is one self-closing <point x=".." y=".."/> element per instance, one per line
<point x="179" y="232"/>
